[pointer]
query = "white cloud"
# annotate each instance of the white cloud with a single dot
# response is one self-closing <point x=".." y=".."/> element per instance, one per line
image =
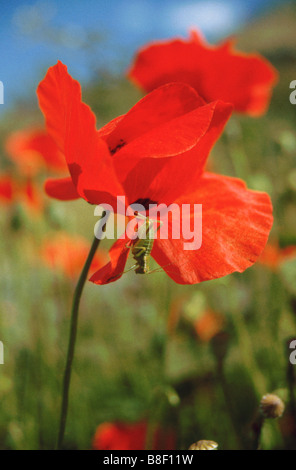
<point x="213" y="17"/>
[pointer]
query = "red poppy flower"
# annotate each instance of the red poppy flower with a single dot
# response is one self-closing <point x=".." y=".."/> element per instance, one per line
<point x="235" y="222"/>
<point x="216" y="72"/>
<point x="33" y="150"/>
<point x="122" y="436"/>
<point x="6" y="189"/>
<point x="23" y="192"/>
<point x="157" y="153"/>
<point x="273" y="255"/>
<point x="68" y="254"/>
<point x="128" y="154"/>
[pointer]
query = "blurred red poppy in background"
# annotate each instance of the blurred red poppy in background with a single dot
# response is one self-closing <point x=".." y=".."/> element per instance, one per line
<point x="273" y="255"/>
<point x="68" y="253"/>
<point x="208" y="324"/>
<point x="20" y="191"/>
<point x="157" y="153"/>
<point x="34" y="150"/>
<point x="29" y="194"/>
<point x="6" y="189"/>
<point x="216" y="72"/>
<point x="122" y="436"/>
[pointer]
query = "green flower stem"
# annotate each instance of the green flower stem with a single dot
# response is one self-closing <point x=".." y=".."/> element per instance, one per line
<point x="73" y="334"/>
<point x="163" y="394"/>
<point x="257" y="431"/>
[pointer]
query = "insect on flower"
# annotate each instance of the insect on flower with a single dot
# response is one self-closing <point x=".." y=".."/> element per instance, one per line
<point x="142" y="247"/>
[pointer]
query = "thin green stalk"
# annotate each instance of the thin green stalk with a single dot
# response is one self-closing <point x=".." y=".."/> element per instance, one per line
<point x="247" y="351"/>
<point x="73" y="334"/>
<point x="237" y="432"/>
<point x="291" y="387"/>
<point x="245" y="343"/>
<point x="257" y="431"/>
<point x="161" y="394"/>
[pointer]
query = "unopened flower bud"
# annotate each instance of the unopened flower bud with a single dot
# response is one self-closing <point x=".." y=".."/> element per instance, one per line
<point x="271" y="406"/>
<point x="204" y="445"/>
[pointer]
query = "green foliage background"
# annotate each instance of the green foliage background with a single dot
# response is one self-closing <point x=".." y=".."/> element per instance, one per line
<point x="127" y="367"/>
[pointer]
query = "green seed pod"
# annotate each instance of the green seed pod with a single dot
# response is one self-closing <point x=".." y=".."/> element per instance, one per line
<point x="271" y="406"/>
<point x="204" y="445"/>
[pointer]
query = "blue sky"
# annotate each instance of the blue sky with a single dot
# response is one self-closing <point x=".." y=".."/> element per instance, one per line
<point x="34" y="34"/>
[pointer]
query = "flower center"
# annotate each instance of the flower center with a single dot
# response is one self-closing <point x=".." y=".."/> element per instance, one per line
<point x="145" y="202"/>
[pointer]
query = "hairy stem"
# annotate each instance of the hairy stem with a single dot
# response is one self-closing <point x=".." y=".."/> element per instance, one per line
<point x="73" y="334"/>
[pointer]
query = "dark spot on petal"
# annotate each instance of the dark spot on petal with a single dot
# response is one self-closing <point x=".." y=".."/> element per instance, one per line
<point x="120" y="144"/>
